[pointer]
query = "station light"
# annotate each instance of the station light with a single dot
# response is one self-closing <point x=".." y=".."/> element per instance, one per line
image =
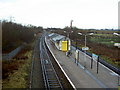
<point x="80" y="33"/>
<point x="116" y="34"/>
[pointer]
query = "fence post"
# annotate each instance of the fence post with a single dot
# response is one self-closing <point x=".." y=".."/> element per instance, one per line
<point x="97" y="64"/>
<point x="91" y="62"/>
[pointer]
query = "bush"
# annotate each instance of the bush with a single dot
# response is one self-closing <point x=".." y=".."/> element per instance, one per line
<point x="15" y="35"/>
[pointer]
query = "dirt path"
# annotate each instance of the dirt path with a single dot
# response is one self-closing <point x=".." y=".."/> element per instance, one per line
<point x="37" y="79"/>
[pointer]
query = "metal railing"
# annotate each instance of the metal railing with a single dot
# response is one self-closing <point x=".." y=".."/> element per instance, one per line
<point x="116" y="70"/>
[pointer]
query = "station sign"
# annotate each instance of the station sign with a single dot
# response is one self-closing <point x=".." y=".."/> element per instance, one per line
<point x="94" y="56"/>
<point x="77" y="52"/>
<point x="85" y="48"/>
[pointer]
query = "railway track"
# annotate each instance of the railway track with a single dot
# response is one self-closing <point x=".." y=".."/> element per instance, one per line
<point x="51" y="79"/>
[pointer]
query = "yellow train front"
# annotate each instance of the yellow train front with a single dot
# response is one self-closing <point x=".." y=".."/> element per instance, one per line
<point x="64" y="46"/>
<point x="61" y="42"/>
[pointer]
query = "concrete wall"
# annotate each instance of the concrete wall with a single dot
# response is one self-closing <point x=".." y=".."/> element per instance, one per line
<point x="11" y="54"/>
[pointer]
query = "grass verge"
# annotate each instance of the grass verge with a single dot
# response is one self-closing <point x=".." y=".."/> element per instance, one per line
<point x="19" y="78"/>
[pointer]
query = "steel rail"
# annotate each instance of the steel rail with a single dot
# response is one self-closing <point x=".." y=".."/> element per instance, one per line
<point x="50" y="76"/>
<point x="53" y="67"/>
<point x="43" y="69"/>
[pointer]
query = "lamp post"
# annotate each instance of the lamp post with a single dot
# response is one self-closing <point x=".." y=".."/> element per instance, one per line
<point x="85" y="47"/>
<point x="118" y="56"/>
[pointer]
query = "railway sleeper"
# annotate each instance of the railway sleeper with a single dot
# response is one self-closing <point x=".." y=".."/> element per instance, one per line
<point x="55" y="87"/>
<point x="52" y="80"/>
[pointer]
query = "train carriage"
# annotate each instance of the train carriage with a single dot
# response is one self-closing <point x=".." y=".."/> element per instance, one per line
<point x="61" y="42"/>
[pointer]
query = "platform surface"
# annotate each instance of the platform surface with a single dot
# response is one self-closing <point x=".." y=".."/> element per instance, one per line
<point x="84" y="78"/>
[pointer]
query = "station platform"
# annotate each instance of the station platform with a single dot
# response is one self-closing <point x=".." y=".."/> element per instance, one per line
<point x="80" y="77"/>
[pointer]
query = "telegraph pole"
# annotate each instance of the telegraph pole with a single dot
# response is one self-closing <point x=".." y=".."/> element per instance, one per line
<point x="69" y="31"/>
<point x="70" y="28"/>
<point x="71" y="25"/>
<point x="11" y="18"/>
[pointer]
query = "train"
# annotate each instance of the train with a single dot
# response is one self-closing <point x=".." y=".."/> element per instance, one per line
<point x="61" y="42"/>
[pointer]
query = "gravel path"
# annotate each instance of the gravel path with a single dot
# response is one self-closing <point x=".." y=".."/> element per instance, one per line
<point x="37" y="79"/>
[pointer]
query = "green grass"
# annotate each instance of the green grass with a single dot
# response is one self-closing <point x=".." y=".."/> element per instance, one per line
<point x="103" y="40"/>
<point x="105" y="35"/>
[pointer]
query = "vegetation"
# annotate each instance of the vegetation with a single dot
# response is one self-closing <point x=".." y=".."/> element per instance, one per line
<point x="107" y="39"/>
<point x="101" y="43"/>
<point x="14" y="35"/>
<point x="16" y="72"/>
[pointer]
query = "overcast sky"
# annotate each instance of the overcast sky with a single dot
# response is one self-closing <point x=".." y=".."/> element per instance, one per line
<point x="99" y="14"/>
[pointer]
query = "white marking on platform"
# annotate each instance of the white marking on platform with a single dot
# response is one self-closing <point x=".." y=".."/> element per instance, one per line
<point x="114" y="74"/>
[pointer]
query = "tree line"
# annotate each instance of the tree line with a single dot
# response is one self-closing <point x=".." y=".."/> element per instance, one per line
<point x="14" y="35"/>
